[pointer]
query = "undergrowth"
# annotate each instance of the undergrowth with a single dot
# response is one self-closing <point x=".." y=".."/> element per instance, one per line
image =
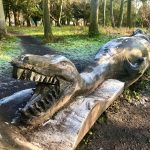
<point x="133" y="93"/>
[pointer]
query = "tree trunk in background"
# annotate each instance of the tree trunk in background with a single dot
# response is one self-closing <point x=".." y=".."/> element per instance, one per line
<point x="93" y="28"/>
<point x="112" y="14"/>
<point x="121" y="14"/>
<point x="28" y="22"/>
<point x="16" y="18"/>
<point x="2" y="21"/>
<point x="104" y="13"/>
<point x="129" y="13"/>
<point x="9" y="18"/>
<point x="46" y="21"/>
<point x="60" y="13"/>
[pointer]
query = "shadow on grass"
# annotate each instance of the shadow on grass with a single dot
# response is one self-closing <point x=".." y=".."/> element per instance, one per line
<point x="34" y="45"/>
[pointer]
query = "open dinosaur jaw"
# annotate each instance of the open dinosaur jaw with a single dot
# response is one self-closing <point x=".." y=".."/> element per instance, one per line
<point x="48" y="91"/>
<point x="25" y="74"/>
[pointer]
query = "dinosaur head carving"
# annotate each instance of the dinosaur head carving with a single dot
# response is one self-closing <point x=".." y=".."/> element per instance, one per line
<point x="142" y="34"/>
<point x="56" y="79"/>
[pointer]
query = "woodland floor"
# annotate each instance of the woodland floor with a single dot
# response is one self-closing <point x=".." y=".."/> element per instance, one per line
<point x="124" y="126"/>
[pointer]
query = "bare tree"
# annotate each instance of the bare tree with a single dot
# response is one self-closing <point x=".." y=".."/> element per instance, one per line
<point x="104" y="12"/>
<point x="60" y="12"/>
<point x="2" y="21"/>
<point x="129" y="13"/>
<point x="121" y="14"/>
<point x="112" y="14"/>
<point x="46" y="21"/>
<point x="93" y="28"/>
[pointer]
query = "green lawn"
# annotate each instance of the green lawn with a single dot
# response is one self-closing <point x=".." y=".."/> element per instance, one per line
<point x="9" y="49"/>
<point x="71" y="40"/>
<point x="79" y="46"/>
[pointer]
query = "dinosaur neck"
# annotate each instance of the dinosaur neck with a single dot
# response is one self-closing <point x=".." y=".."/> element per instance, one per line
<point x="91" y="80"/>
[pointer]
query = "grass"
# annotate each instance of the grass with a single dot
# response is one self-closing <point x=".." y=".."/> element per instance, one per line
<point x="9" y="49"/>
<point x="79" y="46"/>
<point x="70" y="30"/>
<point x="72" y="41"/>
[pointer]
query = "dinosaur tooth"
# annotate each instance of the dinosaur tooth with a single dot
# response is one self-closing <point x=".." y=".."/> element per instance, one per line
<point x="53" y="80"/>
<point x="25" y="113"/>
<point x="22" y="77"/>
<point x="33" y="111"/>
<point x="38" y="107"/>
<point x="32" y="76"/>
<point x="47" y="79"/>
<point x="28" y="75"/>
<point x="46" y="99"/>
<point x="42" y="78"/>
<point x="37" y="77"/>
<point x="34" y="96"/>
<point x="25" y="74"/>
<point x="52" y="98"/>
<point x="19" y="73"/>
<point x="57" y="86"/>
<point x="54" y="93"/>
<point x="50" y="79"/>
<point x="43" y="104"/>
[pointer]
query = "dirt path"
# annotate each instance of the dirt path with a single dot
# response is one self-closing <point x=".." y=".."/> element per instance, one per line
<point x="126" y="129"/>
<point x="32" y="45"/>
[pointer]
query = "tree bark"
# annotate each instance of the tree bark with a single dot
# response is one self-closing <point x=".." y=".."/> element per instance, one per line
<point x="2" y="21"/>
<point x="60" y="13"/>
<point x="46" y="21"/>
<point x="28" y="22"/>
<point x="121" y="14"/>
<point x="93" y="28"/>
<point x="9" y="18"/>
<point x="16" y="18"/>
<point x="112" y="14"/>
<point x="129" y="13"/>
<point x="104" y="13"/>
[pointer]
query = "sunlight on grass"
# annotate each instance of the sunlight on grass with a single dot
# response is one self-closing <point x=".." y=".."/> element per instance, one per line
<point x="73" y="41"/>
<point x="70" y="30"/>
<point x="57" y="31"/>
<point x="26" y="30"/>
<point x="79" y="47"/>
